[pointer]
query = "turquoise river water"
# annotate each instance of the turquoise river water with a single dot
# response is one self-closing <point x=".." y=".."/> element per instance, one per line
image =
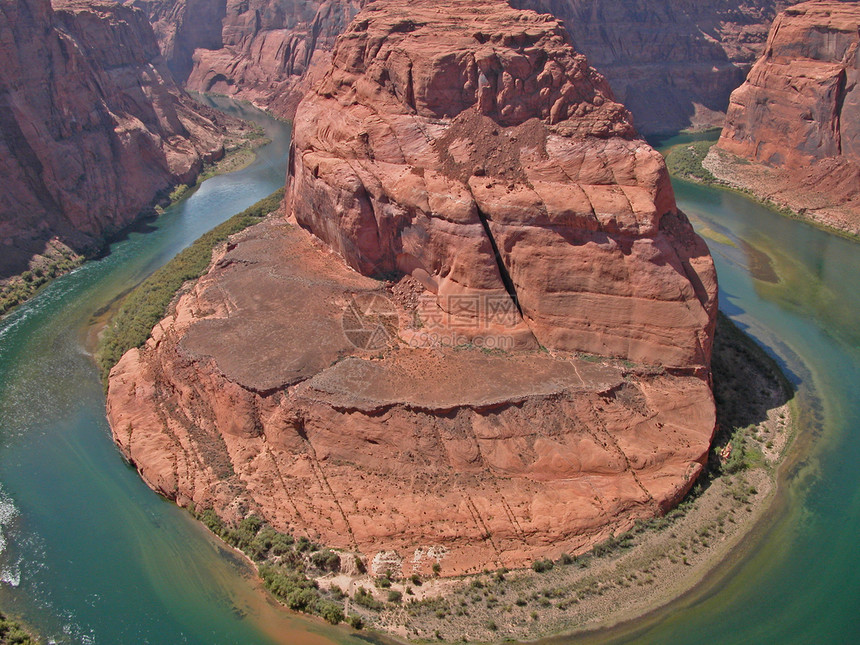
<point x="88" y="554"/>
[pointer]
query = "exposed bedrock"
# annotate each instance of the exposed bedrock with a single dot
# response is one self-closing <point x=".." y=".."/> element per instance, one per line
<point x="798" y="112"/>
<point x="468" y="161"/>
<point x="266" y="51"/>
<point x="92" y="126"/>
<point x="672" y="63"/>
<point x="249" y="398"/>
<point x="477" y="151"/>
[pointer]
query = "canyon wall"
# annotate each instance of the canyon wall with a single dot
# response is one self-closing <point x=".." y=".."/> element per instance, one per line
<point x="797" y="116"/>
<point x="405" y="366"/>
<point x="673" y="64"/>
<point x="266" y="51"/>
<point x="92" y="126"/>
<point x="481" y="162"/>
<point x="182" y="27"/>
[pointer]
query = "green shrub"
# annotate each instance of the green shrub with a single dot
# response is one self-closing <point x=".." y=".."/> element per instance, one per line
<point x="326" y="560"/>
<point x="251" y="524"/>
<point x="394" y="596"/>
<point x="304" y="545"/>
<point x="330" y="611"/>
<point x="745" y="454"/>
<point x="382" y="583"/>
<point x="541" y="566"/>
<point x="281" y="544"/>
<point x="685" y="161"/>
<point x="12" y="633"/>
<point x="365" y="599"/>
<point x="360" y="566"/>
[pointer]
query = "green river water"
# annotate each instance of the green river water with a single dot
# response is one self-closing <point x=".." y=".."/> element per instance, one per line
<point x="88" y="554"/>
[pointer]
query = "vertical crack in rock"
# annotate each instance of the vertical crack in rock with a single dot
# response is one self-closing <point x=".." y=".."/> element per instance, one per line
<point x="510" y="287"/>
<point x="322" y="480"/>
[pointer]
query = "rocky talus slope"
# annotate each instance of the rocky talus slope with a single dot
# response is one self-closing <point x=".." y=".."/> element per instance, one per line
<point x="92" y="126"/>
<point x="406" y="366"/>
<point x="797" y="117"/>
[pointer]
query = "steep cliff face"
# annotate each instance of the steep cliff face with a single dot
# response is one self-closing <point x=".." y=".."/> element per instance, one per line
<point x="798" y="114"/>
<point x="273" y="50"/>
<point x="92" y="126"/>
<point x="181" y="27"/>
<point x="673" y="64"/>
<point x="266" y="51"/>
<point x="480" y="156"/>
<point x="465" y="151"/>
<point x="250" y="398"/>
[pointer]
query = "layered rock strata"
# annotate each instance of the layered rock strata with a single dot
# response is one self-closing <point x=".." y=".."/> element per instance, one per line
<point x="798" y="116"/>
<point x="480" y="166"/>
<point x="673" y="64"/>
<point x="92" y="126"/>
<point x="182" y="27"/>
<point x="266" y="51"/>
<point x="250" y="398"/>
<point x="484" y="157"/>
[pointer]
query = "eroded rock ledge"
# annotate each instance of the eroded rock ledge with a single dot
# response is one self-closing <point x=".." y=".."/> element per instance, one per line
<point x="469" y="161"/>
<point x="470" y="146"/>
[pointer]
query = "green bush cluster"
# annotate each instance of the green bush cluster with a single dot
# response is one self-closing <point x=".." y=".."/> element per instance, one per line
<point x="612" y="544"/>
<point x="147" y="304"/>
<point x="541" y="566"/>
<point x="15" y="292"/>
<point x="282" y="563"/>
<point x="745" y="455"/>
<point x="299" y="594"/>
<point x="11" y="633"/>
<point x="685" y="161"/>
<point x="364" y="598"/>
<point x="326" y="560"/>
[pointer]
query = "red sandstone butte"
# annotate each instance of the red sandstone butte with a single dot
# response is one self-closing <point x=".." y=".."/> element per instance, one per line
<point x="467" y="153"/>
<point x="798" y="115"/>
<point x="483" y="156"/>
<point x="92" y="126"/>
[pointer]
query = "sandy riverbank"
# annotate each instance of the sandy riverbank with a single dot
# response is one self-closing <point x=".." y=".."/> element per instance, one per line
<point x="782" y="189"/>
